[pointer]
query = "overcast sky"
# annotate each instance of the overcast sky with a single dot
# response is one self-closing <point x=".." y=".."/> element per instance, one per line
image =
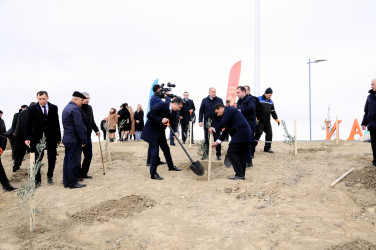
<point x="116" y="49"/>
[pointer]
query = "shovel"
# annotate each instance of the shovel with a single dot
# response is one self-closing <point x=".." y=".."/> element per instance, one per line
<point x="196" y="166"/>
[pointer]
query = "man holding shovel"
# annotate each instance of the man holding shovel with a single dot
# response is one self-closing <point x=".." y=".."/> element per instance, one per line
<point x="241" y="137"/>
<point x="154" y="133"/>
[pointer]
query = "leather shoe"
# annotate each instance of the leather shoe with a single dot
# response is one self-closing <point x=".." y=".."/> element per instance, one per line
<point x="219" y="158"/>
<point x="269" y="151"/>
<point x="172" y="144"/>
<point x="204" y="158"/>
<point x="50" y="180"/>
<point x="174" y="169"/>
<point x="156" y="177"/>
<point x="80" y="179"/>
<point x="236" y="178"/>
<point x="9" y="188"/>
<point x="78" y="185"/>
<point x="249" y="165"/>
<point x="87" y="177"/>
<point x="161" y="163"/>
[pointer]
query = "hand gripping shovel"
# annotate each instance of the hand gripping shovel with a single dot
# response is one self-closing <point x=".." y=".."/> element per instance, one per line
<point x="196" y="166"/>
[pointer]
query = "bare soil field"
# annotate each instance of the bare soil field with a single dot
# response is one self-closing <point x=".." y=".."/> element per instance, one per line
<point x="286" y="202"/>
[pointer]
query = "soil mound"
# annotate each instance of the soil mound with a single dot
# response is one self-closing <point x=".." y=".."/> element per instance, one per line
<point x="355" y="244"/>
<point x="122" y="208"/>
<point x="365" y="177"/>
<point x="19" y="176"/>
<point x="218" y="170"/>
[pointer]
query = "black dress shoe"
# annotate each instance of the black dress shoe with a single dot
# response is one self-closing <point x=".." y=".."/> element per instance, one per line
<point x="174" y="169"/>
<point x="87" y="177"/>
<point x="9" y="188"/>
<point x="156" y="177"/>
<point x="249" y="165"/>
<point x="80" y="179"/>
<point x="219" y="158"/>
<point x="161" y="163"/>
<point x="38" y="184"/>
<point x="50" y="180"/>
<point x="236" y="178"/>
<point x="78" y="185"/>
<point x="172" y="144"/>
<point x="269" y="151"/>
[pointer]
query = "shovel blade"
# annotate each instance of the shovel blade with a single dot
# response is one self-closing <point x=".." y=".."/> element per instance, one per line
<point x="197" y="168"/>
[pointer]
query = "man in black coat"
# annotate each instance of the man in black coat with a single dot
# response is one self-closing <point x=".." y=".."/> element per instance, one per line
<point x="241" y="137"/>
<point x="11" y="137"/>
<point x="247" y="106"/>
<point x="90" y="126"/>
<point x="185" y="116"/>
<point x="154" y="133"/>
<point x="43" y="119"/>
<point x="3" y="129"/>
<point x="265" y="110"/>
<point x="3" y="177"/>
<point x="19" y="137"/>
<point x="207" y="113"/>
<point x="369" y="118"/>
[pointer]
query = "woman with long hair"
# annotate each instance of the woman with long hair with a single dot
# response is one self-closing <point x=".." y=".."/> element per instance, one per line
<point x="112" y="121"/>
<point x="132" y="131"/>
<point x="139" y="121"/>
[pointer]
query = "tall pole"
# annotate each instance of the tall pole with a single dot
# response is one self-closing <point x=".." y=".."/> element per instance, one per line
<point x="310" y="118"/>
<point x="257" y="48"/>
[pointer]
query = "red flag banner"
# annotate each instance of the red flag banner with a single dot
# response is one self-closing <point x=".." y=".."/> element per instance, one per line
<point x="233" y="82"/>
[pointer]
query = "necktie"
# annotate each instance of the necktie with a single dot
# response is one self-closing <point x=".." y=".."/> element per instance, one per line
<point x="44" y="110"/>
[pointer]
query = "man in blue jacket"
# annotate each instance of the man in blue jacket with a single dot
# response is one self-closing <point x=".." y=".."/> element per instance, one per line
<point x="185" y="116"/>
<point x="75" y="137"/>
<point x="369" y="118"/>
<point x="247" y="106"/>
<point x="207" y="113"/>
<point x="241" y="137"/>
<point x="154" y="133"/>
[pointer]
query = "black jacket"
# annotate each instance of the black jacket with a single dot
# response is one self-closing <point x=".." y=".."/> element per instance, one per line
<point x="90" y="123"/>
<point x="265" y="109"/>
<point x="207" y="110"/>
<point x="139" y="115"/>
<point x="3" y="142"/>
<point x="14" y="121"/>
<point x="248" y="106"/>
<point x="3" y="129"/>
<point x="21" y="123"/>
<point x="235" y="125"/>
<point x="184" y="112"/>
<point x="369" y="118"/>
<point x="103" y="125"/>
<point x="37" y="124"/>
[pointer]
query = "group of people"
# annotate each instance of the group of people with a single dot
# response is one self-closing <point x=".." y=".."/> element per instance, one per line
<point x="245" y="122"/>
<point x="127" y="122"/>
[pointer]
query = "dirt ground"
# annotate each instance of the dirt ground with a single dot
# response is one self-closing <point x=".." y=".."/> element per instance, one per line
<point x="286" y="202"/>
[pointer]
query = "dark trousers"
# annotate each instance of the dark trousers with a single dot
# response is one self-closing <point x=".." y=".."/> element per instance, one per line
<point x="267" y="128"/>
<point x="3" y="177"/>
<point x="237" y="153"/>
<point x="148" y="159"/>
<point x="373" y="144"/>
<point x="104" y="134"/>
<point x="216" y="136"/>
<point x="20" y="152"/>
<point x="184" y="131"/>
<point x="51" y="157"/>
<point x="72" y="163"/>
<point x="88" y="155"/>
<point x="172" y="141"/>
<point x="12" y="141"/>
<point x="154" y="154"/>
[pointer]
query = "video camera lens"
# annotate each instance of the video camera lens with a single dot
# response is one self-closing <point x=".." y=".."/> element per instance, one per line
<point x="171" y="85"/>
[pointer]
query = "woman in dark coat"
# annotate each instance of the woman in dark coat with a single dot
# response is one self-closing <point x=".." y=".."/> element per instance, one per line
<point x="125" y="118"/>
<point x="139" y="119"/>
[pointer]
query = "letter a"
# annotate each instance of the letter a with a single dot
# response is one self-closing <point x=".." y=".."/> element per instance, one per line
<point x="356" y="130"/>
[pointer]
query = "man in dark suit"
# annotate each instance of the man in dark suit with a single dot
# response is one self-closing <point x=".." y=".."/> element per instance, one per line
<point x="241" y="137"/>
<point x="185" y="115"/>
<point x="43" y="119"/>
<point x="75" y="138"/>
<point x="19" y="137"/>
<point x="12" y="133"/>
<point x="207" y="113"/>
<point x="3" y="129"/>
<point x="154" y="133"/>
<point x="247" y="106"/>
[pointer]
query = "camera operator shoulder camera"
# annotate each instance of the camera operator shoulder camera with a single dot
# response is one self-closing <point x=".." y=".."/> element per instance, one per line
<point x="162" y="92"/>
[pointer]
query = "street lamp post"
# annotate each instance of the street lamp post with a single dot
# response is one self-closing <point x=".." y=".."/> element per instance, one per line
<point x="309" y="75"/>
